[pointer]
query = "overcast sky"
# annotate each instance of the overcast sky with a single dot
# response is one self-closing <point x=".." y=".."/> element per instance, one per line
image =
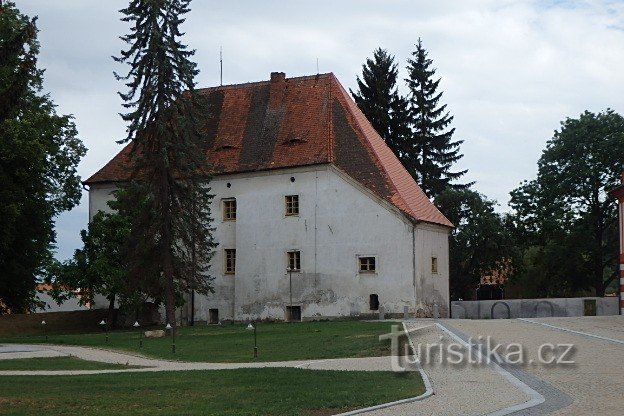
<point x="511" y="70"/>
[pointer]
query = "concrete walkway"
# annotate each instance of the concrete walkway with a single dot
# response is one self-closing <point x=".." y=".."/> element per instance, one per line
<point x="150" y="364"/>
<point x="594" y="384"/>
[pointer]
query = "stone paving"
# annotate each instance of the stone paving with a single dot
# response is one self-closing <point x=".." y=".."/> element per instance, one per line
<point x="595" y="383"/>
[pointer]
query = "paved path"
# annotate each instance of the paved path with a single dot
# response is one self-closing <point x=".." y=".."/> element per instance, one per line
<point x="594" y="384"/>
<point x="150" y="364"/>
<point x="466" y="390"/>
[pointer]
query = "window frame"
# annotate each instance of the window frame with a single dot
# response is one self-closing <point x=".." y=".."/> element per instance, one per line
<point x="226" y="259"/>
<point x="297" y="259"/>
<point x="226" y="211"/>
<point x="294" y="202"/>
<point x="367" y="270"/>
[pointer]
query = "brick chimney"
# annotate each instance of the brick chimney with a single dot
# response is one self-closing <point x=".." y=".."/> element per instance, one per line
<point x="278" y="76"/>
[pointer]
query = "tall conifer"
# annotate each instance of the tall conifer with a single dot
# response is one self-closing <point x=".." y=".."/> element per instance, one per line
<point x="379" y="100"/>
<point x="170" y="244"/>
<point x="431" y="139"/>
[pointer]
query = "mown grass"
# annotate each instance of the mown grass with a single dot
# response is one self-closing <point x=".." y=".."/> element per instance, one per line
<point x="243" y="392"/>
<point x="234" y="343"/>
<point x="57" y="363"/>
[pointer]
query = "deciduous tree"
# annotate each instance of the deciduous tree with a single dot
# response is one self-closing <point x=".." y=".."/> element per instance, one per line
<point x="39" y="153"/>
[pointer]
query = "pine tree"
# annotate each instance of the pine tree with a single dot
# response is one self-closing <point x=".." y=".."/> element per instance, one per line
<point x="170" y="243"/>
<point x="379" y="100"/>
<point x="431" y="139"/>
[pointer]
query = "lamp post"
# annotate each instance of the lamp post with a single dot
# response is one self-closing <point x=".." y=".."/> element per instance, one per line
<point x="250" y="327"/>
<point x="170" y="328"/>
<point x="103" y="325"/>
<point x="43" y="325"/>
<point x="290" y="314"/>
<point x="137" y="326"/>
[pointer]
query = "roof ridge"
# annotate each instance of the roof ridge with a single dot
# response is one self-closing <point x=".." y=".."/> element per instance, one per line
<point x="259" y="83"/>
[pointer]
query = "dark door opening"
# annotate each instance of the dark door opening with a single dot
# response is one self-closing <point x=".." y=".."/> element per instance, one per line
<point x="374" y="302"/>
<point x="213" y="316"/>
<point x="589" y="306"/>
<point x="293" y="313"/>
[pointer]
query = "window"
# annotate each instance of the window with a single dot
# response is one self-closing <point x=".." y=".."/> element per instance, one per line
<point x="292" y="204"/>
<point x="229" y="210"/>
<point x="434" y="265"/>
<point x="294" y="260"/>
<point x="230" y="261"/>
<point x="373" y="301"/>
<point x="367" y="265"/>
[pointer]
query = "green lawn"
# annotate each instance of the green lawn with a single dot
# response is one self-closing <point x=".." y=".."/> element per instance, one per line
<point x="58" y="363"/>
<point x="233" y="343"/>
<point x="270" y="391"/>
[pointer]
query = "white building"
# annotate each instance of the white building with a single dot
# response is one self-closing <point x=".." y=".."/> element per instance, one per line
<point x="302" y="181"/>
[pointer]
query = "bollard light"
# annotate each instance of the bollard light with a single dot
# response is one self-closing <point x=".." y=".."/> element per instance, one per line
<point x="103" y="325"/>
<point x="136" y="325"/>
<point x="43" y="325"/>
<point x="173" y="347"/>
<point x="252" y="327"/>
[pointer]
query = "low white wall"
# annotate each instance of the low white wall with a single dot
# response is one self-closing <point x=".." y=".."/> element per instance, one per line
<point x="530" y="308"/>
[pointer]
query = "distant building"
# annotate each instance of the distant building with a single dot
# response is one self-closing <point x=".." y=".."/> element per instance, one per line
<point x="302" y="181"/>
<point x="50" y="305"/>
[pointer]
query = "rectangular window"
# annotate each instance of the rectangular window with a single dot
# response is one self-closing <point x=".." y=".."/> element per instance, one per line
<point x="434" y="265"/>
<point x="230" y="261"/>
<point x="367" y="265"/>
<point x="292" y="204"/>
<point x="229" y="210"/>
<point x="294" y="260"/>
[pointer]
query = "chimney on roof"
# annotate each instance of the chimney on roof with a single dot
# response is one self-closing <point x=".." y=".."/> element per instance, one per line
<point x="278" y="76"/>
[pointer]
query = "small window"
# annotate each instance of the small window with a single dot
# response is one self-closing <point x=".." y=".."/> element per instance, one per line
<point x="230" y="261"/>
<point x="434" y="265"/>
<point x="229" y="210"/>
<point x="367" y="265"/>
<point x="294" y="260"/>
<point x="373" y="302"/>
<point x="292" y="204"/>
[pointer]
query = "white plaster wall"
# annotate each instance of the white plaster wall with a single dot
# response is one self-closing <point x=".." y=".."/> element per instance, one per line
<point x="339" y="220"/>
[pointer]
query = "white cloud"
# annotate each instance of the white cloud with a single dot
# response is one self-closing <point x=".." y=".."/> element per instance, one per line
<point x="511" y="70"/>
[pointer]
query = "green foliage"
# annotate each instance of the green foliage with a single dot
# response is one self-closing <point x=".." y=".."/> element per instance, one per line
<point x="39" y="153"/>
<point x="480" y="244"/>
<point x="379" y="100"/>
<point x="565" y="219"/>
<point x="430" y="150"/>
<point x="170" y="242"/>
<point x="97" y="268"/>
<point x="414" y="127"/>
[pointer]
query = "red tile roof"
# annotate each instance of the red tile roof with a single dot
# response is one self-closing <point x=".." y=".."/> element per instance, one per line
<point x="292" y="122"/>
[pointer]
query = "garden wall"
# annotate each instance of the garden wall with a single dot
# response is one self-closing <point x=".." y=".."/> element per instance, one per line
<point x="534" y="308"/>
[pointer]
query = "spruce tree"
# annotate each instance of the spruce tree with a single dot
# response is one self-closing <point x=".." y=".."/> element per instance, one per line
<point x="431" y="143"/>
<point x="170" y="243"/>
<point x="379" y="100"/>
